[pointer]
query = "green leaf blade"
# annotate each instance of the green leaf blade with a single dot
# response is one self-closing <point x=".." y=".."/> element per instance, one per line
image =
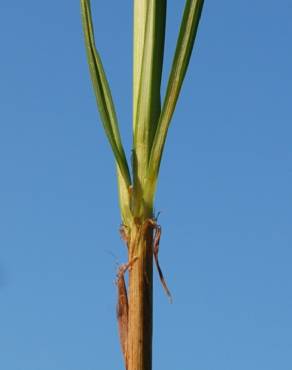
<point x="184" y="47"/>
<point x="103" y="94"/>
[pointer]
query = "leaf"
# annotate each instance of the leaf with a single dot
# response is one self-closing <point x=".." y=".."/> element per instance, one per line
<point x="184" y="46"/>
<point x="148" y="61"/>
<point x="149" y="32"/>
<point x="103" y="94"/>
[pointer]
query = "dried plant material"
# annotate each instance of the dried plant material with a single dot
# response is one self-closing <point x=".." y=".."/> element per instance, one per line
<point x="122" y="306"/>
<point x="156" y="242"/>
<point x="124" y="234"/>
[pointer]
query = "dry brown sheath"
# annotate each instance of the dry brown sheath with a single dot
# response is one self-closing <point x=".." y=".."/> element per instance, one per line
<point x="122" y="307"/>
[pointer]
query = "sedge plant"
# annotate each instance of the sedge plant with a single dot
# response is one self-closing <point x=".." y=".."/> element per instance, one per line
<point x="137" y="181"/>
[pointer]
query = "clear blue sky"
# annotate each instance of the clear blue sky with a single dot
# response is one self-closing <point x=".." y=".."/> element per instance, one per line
<point x="223" y="194"/>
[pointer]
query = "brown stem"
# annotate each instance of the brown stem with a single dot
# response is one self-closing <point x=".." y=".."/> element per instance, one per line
<point x="139" y="343"/>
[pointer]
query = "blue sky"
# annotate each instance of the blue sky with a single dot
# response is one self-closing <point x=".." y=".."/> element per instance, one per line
<point x="223" y="193"/>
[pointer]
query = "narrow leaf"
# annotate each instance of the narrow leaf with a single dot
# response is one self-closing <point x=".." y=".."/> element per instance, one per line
<point x="103" y="94"/>
<point x="184" y="46"/>
<point x="148" y="60"/>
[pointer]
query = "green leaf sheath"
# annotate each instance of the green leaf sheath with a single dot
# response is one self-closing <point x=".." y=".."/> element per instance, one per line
<point x="184" y="46"/>
<point x="150" y="71"/>
<point x="148" y="60"/>
<point x="103" y="94"/>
